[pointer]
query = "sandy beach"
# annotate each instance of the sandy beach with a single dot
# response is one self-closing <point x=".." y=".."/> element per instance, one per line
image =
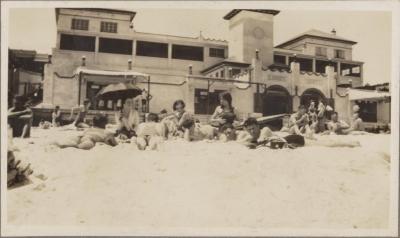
<point x="203" y="185"/>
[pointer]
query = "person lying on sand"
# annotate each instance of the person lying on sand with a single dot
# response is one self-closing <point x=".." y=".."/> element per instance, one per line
<point x="150" y="133"/>
<point x="227" y="133"/>
<point x="89" y="138"/>
<point x="254" y="137"/>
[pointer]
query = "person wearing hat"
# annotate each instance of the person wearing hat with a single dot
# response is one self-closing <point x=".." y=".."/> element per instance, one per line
<point x="80" y="118"/>
<point x="20" y="117"/>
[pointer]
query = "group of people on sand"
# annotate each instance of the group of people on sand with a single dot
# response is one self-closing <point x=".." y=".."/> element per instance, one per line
<point x="223" y="125"/>
<point x="322" y="120"/>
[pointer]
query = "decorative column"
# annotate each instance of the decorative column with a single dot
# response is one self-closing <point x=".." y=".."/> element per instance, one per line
<point x="294" y="77"/>
<point x="169" y="54"/>
<point x="314" y="65"/>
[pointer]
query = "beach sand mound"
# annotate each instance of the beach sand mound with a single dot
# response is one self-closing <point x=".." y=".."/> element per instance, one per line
<point x="203" y="185"/>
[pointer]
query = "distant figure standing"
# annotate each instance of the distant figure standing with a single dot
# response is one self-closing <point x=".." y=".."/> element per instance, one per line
<point x="20" y="118"/>
<point x="320" y="127"/>
<point x="56" y="117"/>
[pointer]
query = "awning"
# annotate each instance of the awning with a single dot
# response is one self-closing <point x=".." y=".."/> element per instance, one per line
<point x="355" y="94"/>
<point x="85" y="70"/>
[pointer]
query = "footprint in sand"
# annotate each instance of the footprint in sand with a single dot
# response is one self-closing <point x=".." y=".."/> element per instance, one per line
<point x="40" y="187"/>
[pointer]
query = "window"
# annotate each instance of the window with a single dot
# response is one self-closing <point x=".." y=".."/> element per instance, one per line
<point x="279" y="59"/>
<point x="305" y="64"/>
<point x="222" y="74"/>
<point x="80" y="43"/>
<point x="215" y="52"/>
<point x="79" y="24"/>
<point x="217" y="75"/>
<point x="339" y="54"/>
<point x="108" y="27"/>
<point x="321" y="64"/>
<point x="235" y="72"/>
<point x="187" y="52"/>
<point x="368" y="111"/>
<point x="350" y="70"/>
<point x="152" y="49"/>
<point x="205" y="102"/>
<point x="320" y="51"/>
<point x="115" y="46"/>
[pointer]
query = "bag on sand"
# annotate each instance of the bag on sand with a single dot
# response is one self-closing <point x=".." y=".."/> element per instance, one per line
<point x="295" y="140"/>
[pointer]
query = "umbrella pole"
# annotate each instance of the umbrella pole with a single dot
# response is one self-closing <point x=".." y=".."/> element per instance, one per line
<point x="148" y="94"/>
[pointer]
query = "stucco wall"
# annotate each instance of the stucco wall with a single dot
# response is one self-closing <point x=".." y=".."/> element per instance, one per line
<point x="383" y="112"/>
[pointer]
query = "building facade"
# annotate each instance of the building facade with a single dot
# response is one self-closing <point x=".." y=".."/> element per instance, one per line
<point x="261" y="78"/>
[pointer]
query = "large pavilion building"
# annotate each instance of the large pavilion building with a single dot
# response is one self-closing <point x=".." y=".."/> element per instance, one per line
<point x="98" y="47"/>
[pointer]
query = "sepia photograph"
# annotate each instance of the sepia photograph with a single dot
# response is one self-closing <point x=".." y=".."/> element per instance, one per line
<point x="199" y="118"/>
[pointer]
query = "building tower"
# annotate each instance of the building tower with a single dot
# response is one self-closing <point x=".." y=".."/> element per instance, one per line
<point x="251" y="30"/>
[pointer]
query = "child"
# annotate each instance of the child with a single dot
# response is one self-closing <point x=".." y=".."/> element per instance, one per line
<point x="150" y="133"/>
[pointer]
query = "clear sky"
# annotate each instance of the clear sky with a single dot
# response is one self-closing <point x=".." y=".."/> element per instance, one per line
<point x="35" y="29"/>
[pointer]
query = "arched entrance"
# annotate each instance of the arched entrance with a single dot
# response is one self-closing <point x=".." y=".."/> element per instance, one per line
<point x="276" y="100"/>
<point x="311" y="94"/>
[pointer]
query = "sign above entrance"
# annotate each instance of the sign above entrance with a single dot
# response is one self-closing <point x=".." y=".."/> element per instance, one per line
<point x="244" y="77"/>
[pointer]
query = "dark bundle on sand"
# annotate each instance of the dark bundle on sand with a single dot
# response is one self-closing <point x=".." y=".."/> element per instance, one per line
<point x="17" y="172"/>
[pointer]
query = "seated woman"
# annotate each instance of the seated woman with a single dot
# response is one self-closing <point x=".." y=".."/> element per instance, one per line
<point x="356" y="125"/>
<point x="20" y="118"/>
<point x="334" y="125"/>
<point x="224" y="113"/>
<point x="89" y="138"/>
<point x="127" y="119"/>
<point x="182" y="120"/>
<point x="149" y="133"/>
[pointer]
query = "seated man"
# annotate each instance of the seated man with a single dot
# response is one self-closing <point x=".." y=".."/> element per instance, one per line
<point x="150" y="133"/>
<point x="299" y="122"/>
<point x="80" y="118"/>
<point x="20" y="118"/>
